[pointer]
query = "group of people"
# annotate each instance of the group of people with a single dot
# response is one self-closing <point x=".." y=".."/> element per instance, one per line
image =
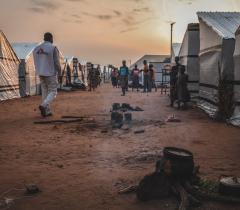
<point x="47" y="64"/>
<point x="123" y="75"/>
<point x="178" y="85"/>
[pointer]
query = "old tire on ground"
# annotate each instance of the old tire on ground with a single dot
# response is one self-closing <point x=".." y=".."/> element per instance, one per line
<point x="181" y="160"/>
<point x="229" y="186"/>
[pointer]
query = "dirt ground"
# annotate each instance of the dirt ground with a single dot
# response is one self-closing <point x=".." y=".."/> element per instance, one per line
<point x="83" y="166"/>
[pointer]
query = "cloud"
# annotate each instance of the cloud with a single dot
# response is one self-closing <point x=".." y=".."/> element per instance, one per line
<point x="129" y="30"/>
<point x="76" y="16"/>
<point x="76" y="0"/>
<point x="118" y="13"/>
<point x="187" y="1"/>
<point x="144" y="9"/>
<point x="44" y="5"/>
<point x="103" y="16"/>
<point x="37" y="9"/>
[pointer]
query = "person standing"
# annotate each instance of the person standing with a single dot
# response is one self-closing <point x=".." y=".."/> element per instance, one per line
<point x="47" y="64"/>
<point x="123" y="74"/>
<point x="114" y="77"/>
<point x="135" y="78"/>
<point x="152" y="78"/>
<point x="182" y="90"/>
<point x="98" y="75"/>
<point x="145" y="76"/>
<point x="173" y="82"/>
<point x="92" y="78"/>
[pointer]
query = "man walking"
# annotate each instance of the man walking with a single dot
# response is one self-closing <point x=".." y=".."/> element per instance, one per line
<point x="123" y="73"/>
<point x="47" y="64"/>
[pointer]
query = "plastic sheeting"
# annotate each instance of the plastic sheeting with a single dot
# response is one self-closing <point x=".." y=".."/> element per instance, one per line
<point x="9" y="83"/>
<point x="216" y="59"/>
<point x="175" y="51"/>
<point x="235" y="120"/>
<point x="28" y="78"/>
<point x="189" y="57"/>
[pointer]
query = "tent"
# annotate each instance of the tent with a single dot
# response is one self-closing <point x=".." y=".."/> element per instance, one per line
<point x="236" y="115"/>
<point x="68" y="73"/>
<point x="175" y="51"/>
<point x="158" y="61"/>
<point x="217" y="43"/>
<point x="28" y="78"/>
<point x="84" y="71"/>
<point x="188" y="55"/>
<point x="9" y="83"/>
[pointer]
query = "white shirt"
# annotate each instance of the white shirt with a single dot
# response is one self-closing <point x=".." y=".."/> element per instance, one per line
<point x="46" y="59"/>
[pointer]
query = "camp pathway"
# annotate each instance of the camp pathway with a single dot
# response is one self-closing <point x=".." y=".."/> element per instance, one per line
<point x="83" y="166"/>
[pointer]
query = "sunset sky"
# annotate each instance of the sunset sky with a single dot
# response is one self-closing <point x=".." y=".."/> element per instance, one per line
<point x="105" y="31"/>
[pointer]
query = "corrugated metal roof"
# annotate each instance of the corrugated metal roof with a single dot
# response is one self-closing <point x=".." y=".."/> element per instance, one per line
<point x="223" y="23"/>
<point x="176" y="48"/>
<point x="24" y="49"/>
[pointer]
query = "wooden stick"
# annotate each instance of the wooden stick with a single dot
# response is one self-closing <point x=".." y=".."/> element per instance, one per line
<point x="184" y="203"/>
<point x="129" y="189"/>
<point x="57" y="121"/>
<point x="76" y="117"/>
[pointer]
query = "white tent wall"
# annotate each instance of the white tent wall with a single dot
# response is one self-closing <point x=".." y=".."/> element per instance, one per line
<point x="236" y="115"/>
<point x="9" y="63"/>
<point x="28" y="79"/>
<point x="216" y="58"/>
<point x="189" y="57"/>
<point x="175" y="51"/>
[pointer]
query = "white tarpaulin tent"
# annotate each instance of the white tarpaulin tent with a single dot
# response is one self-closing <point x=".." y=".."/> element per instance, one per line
<point x="217" y="43"/>
<point x="28" y="78"/>
<point x="175" y="51"/>
<point x="236" y="116"/>
<point x="9" y="83"/>
<point x="189" y="57"/>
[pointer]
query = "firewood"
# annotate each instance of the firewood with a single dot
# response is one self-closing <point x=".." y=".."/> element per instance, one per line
<point x="210" y="196"/>
<point x="57" y="121"/>
<point x="129" y="189"/>
<point x="184" y="199"/>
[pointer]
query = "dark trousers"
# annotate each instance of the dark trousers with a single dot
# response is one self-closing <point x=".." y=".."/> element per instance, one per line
<point x="145" y="83"/>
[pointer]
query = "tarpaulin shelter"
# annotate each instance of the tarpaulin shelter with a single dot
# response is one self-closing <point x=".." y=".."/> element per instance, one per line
<point x="9" y="82"/>
<point x="28" y="79"/>
<point x="188" y="55"/>
<point x="68" y="71"/>
<point x="217" y="43"/>
<point x="175" y="51"/>
<point x="83" y="70"/>
<point x="236" y="115"/>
